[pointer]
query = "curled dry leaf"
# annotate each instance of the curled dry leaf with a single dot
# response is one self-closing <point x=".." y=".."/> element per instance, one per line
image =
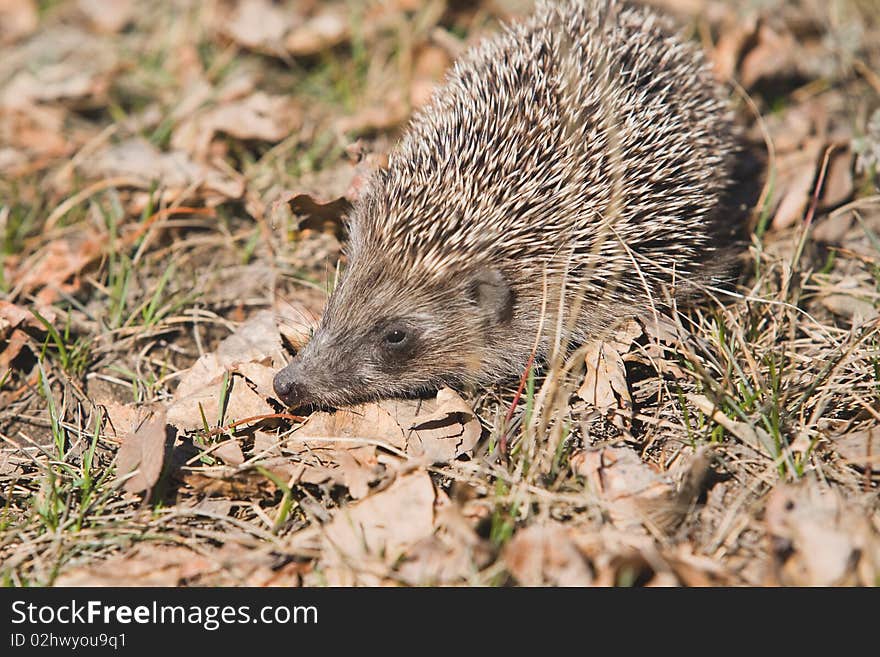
<point x="343" y="446"/>
<point x="605" y="384"/>
<point x="142" y="452"/>
<point x="819" y="539"/>
<point x="446" y="433"/>
<point x="241" y="402"/>
<point x="49" y="271"/>
<point x="379" y="529"/>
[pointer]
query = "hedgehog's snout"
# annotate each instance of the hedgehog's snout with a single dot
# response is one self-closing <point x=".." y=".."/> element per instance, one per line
<point x="289" y="386"/>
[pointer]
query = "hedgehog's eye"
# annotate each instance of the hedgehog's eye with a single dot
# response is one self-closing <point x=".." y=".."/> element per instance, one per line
<point x="395" y="338"/>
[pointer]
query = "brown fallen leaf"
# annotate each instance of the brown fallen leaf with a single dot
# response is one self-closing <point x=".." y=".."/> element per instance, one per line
<point x="257" y="340"/>
<point x="819" y="539"/>
<point x="61" y="64"/>
<point x="18" y="18"/>
<point x="605" y="384"/>
<point x="795" y="194"/>
<point x="839" y="184"/>
<point x="257" y="117"/>
<point x="54" y="269"/>
<point x="453" y="429"/>
<point x="36" y="135"/>
<point x="242" y="402"/>
<point x="249" y="484"/>
<point x="452" y="554"/>
<point x="636" y="492"/>
<point x="379" y="529"/>
<point x="544" y="555"/>
<point x="320" y="32"/>
<point x="342" y="446"/>
<point x="753" y="436"/>
<point x="858" y="311"/>
<point x="123" y="419"/>
<point x="140" y="163"/>
<point x="108" y="16"/>
<point x="145" y="565"/>
<point x="732" y="39"/>
<point x="774" y="56"/>
<point x="860" y="448"/>
<point x="229" y="451"/>
<point x="142" y="453"/>
<point x="258" y="25"/>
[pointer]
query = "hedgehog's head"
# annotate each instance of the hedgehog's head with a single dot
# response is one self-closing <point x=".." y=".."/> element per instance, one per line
<point x="390" y="332"/>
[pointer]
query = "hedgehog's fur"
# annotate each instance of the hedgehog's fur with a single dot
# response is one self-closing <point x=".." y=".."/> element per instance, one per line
<point x="586" y="150"/>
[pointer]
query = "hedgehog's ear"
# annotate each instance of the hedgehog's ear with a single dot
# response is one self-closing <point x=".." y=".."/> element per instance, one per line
<point x="490" y="292"/>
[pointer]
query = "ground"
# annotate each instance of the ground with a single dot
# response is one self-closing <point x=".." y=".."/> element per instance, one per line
<point x="173" y="178"/>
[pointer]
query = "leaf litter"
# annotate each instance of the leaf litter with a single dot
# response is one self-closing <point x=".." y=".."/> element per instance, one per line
<point x="733" y="442"/>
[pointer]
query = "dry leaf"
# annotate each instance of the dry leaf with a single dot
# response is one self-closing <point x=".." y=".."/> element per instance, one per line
<point x="62" y="64"/>
<point x="753" y="436"/>
<point x="108" y="16"/>
<point x="452" y="554"/>
<point x="248" y="484"/>
<point x="628" y="484"/>
<point x="774" y="56"/>
<point x="229" y="451"/>
<point x="256" y="340"/>
<point x="49" y="269"/>
<point x="854" y="309"/>
<point x="18" y="18"/>
<point x="544" y="555"/>
<point x="325" y="30"/>
<point x="447" y="433"/>
<point x="185" y="413"/>
<point x="258" y="24"/>
<point x="860" y="448"/>
<point x="381" y="527"/>
<point x="145" y="565"/>
<point x="838" y="185"/>
<point x="142" y="452"/>
<point x="140" y="164"/>
<point x="259" y="117"/>
<point x="605" y="384"/>
<point x="819" y="539"/>
<point x="340" y="446"/>
<point x="123" y="419"/>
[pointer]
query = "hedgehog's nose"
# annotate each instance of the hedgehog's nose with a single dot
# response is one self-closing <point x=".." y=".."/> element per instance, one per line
<point x="289" y="390"/>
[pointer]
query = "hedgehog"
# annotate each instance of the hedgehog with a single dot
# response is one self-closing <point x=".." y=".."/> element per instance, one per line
<point x="566" y="176"/>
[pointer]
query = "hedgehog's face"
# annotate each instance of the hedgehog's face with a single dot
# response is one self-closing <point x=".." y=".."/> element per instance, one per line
<point x="381" y="337"/>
